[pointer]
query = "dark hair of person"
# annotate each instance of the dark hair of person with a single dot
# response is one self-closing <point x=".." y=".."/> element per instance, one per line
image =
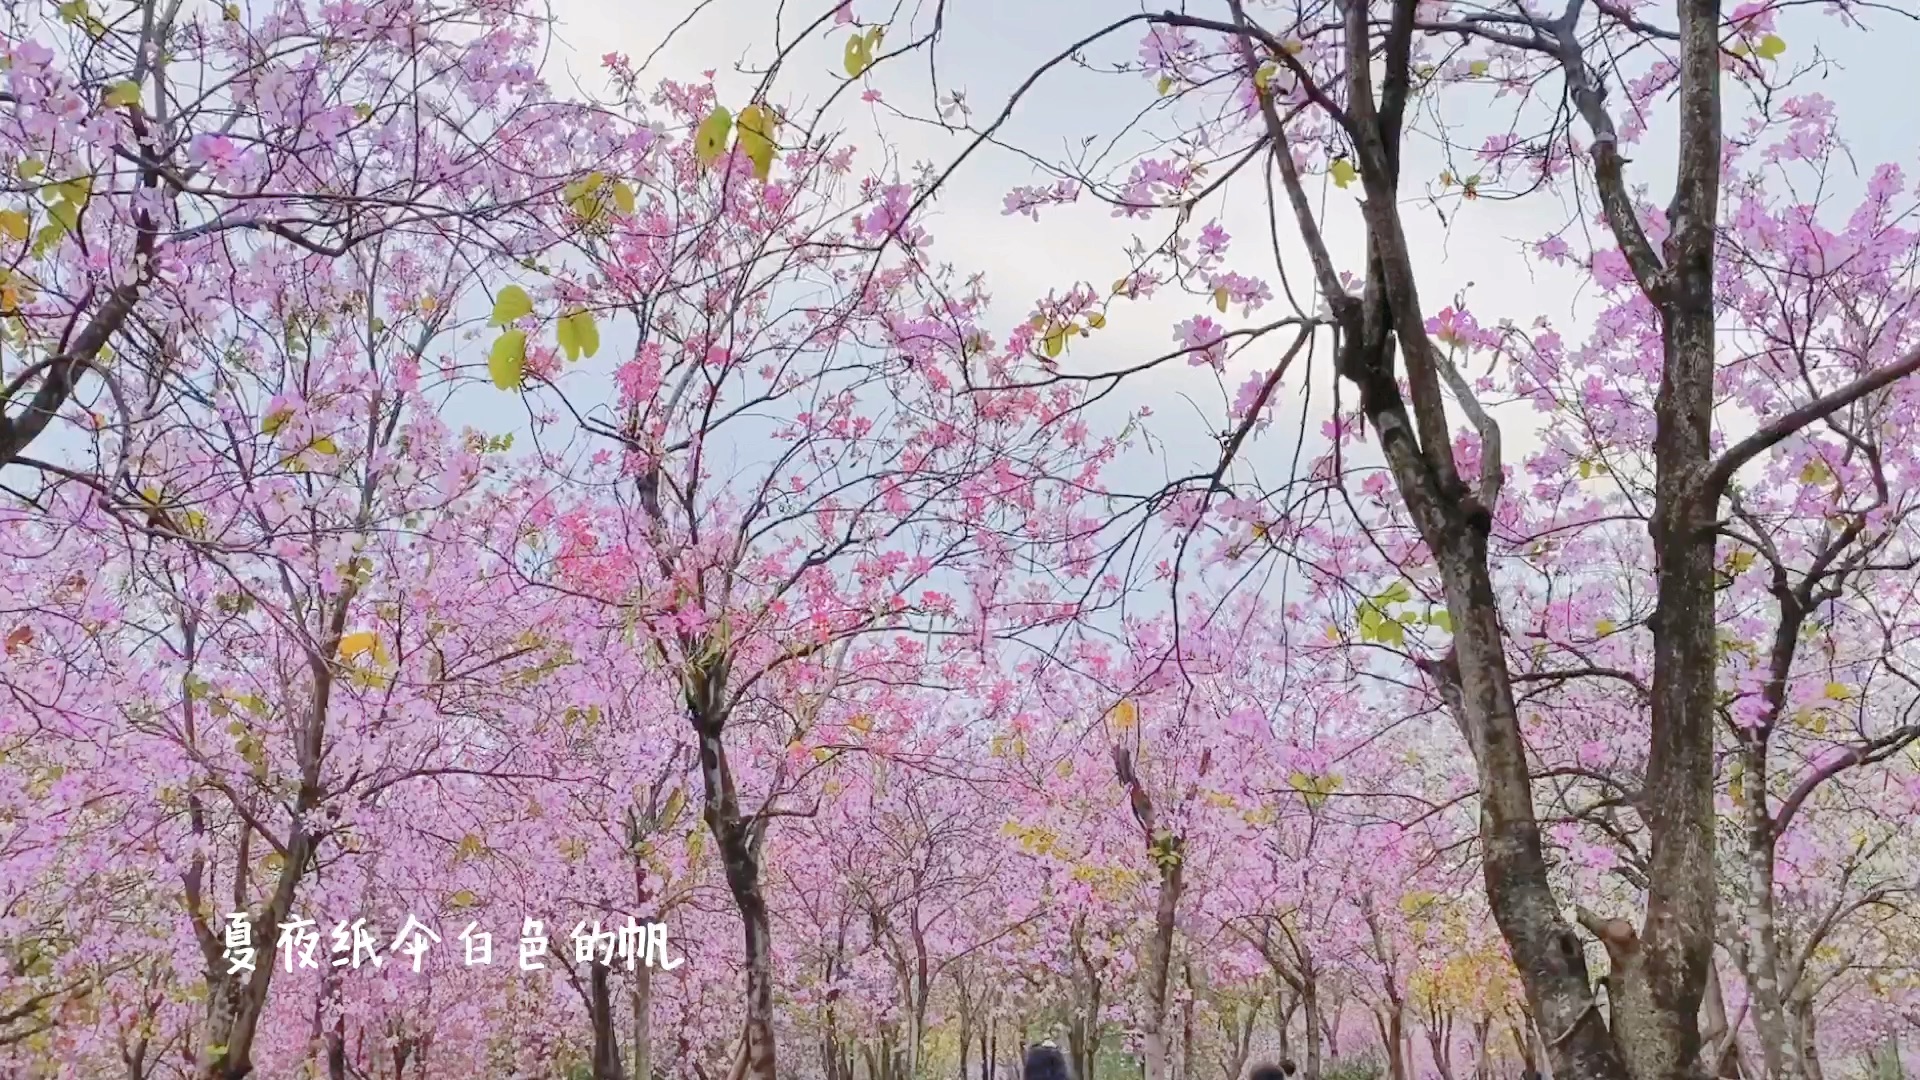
<point x="1268" y="1072"/>
<point x="1045" y="1063"/>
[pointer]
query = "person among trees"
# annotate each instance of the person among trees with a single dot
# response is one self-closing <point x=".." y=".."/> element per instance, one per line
<point x="1045" y="1062"/>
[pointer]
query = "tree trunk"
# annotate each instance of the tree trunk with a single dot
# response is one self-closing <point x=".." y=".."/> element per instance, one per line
<point x="1483" y="1048"/>
<point x="642" y="996"/>
<point x="1806" y="1037"/>
<point x="606" y="1046"/>
<point x="1310" y="1003"/>
<point x="236" y="1002"/>
<point x="740" y="843"/>
<point x="1168" y="854"/>
<point x="1658" y="974"/>
<point x="1440" y="1041"/>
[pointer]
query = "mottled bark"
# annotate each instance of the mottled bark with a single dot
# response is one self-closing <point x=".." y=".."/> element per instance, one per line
<point x="1167" y="852"/>
<point x="739" y="841"/>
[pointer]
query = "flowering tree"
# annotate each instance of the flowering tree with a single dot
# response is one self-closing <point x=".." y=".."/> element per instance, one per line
<point x="1335" y="91"/>
<point x="163" y="160"/>
<point x="797" y="529"/>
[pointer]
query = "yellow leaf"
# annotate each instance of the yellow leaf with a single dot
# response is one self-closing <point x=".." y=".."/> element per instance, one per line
<point x="1838" y="691"/>
<point x="1064" y="769"/>
<point x="1264" y="77"/>
<point x="1165" y="85"/>
<point x="275" y="420"/>
<point x="1096" y="320"/>
<point x="124" y="94"/>
<point x="31" y="167"/>
<point x="508" y="359"/>
<point x="1477" y="68"/>
<point x="756" y="138"/>
<point x="1125" y="715"/>
<point x="1604" y="627"/>
<point x="1055" y="341"/>
<point x="463" y="899"/>
<point x="15" y="224"/>
<point x="861" y="723"/>
<point x="1220" y="298"/>
<point x="325" y="445"/>
<point x="1770" y="46"/>
<point x="623" y="197"/>
<point x="859" y="56"/>
<point x="711" y="136"/>
<point x="1343" y="173"/>
<point x="512" y="303"/>
<point x="356" y="643"/>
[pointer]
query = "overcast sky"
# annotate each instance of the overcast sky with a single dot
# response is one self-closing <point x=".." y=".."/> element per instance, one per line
<point x="989" y="46"/>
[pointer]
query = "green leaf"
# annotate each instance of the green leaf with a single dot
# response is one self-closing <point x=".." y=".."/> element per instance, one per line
<point x="74" y="191"/>
<point x="623" y="197"/>
<point x="507" y="359"/>
<point x="64" y="214"/>
<point x="1770" y="47"/>
<point x="1477" y="68"/>
<point x="1343" y="173"/>
<point x="31" y="167"/>
<point x="124" y="94"/>
<point x="512" y="303"/>
<point x="1442" y="619"/>
<point x="711" y="136"/>
<point x="577" y="334"/>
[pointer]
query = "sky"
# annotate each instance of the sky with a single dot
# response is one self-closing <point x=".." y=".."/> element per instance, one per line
<point x="988" y="47"/>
